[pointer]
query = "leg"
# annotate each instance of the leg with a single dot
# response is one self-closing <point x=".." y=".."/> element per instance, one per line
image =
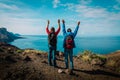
<point x="66" y="58"/>
<point x="50" y="56"/>
<point x="71" y="59"/>
<point x="54" y="58"/>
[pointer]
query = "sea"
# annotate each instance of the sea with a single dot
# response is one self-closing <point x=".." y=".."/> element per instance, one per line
<point x="98" y="45"/>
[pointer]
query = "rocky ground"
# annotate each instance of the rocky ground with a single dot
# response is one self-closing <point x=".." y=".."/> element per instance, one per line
<point x="28" y="64"/>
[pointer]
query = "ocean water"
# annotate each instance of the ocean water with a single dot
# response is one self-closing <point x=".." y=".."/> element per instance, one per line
<point x="100" y="45"/>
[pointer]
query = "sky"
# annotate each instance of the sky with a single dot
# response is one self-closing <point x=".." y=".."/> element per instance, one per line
<point x="29" y="17"/>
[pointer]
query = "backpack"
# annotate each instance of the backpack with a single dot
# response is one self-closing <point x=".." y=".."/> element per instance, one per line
<point x="69" y="42"/>
<point x="52" y="39"/>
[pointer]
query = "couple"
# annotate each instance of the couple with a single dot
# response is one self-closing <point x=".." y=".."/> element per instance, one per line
<point x="68" y="43"/>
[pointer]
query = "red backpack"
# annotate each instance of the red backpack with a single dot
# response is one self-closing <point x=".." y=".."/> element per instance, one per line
<point x="69" y="42"/>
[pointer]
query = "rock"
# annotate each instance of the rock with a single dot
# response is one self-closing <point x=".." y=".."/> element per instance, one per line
<point x="69" y="71"/>
<point x="44" y="61"/>
<point x="10" y="50"/>
<point x="97" y="62"/>
<point x="79" y="56"/>
<point x="1" y="50"/>
<point x="60" y="71"/>
<point x="10" y="59"/>
<point x="27" y="58"/>
<point x="24" y="53"/>
<point x="61" y="54"/>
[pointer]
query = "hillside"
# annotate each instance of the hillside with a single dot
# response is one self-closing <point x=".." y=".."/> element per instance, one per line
<point x="29" y="64"/>
<point x="6" y="36"/>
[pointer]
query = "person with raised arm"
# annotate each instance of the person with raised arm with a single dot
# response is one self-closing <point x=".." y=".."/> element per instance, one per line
<point x="52" y="43"/>
<point x="69" y="43"/>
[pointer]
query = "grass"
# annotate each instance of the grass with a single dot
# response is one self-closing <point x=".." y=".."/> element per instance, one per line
<point x="34" y="51"/>
<point x="19" y="51"/>
<point x="111" y="63"/>
<point x="88" y="56"/>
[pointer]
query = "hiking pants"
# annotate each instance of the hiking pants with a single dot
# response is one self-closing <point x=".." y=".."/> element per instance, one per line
<point x="69" y="52"/>
<point x="51" y="56"/>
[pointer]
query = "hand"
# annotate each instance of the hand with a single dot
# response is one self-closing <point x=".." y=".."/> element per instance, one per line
<point x="63" y="21"/>
<point x="78" y="23"/>
<point x="48" y="22"/>
<point x="58" y="21"/>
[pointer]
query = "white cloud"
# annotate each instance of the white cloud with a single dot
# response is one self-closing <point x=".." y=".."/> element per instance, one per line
<point x="22" y="25"/>
<point x="85" y="2"/>
<point x="55" y="3"/>
<point x="90" y="12"/>
<point x="9" y="7"/>
<point x="69" y="6"/>
<point x="95" y="20"/>
<point x="20" y="20"/>
<point x="117" y="5"/>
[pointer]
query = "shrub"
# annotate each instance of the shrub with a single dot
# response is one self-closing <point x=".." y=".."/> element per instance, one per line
<point x="87" y="52"/>
<point x="34" y="51"/>
<point x="86" y="56"/>
<point x="111" y="63"/>
<point x="19" y="51"/>
<point x="91" y="57"/>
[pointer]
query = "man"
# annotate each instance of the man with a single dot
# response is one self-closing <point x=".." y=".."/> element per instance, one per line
<point x="52" y="43"/>
<point x="69" y="44"/>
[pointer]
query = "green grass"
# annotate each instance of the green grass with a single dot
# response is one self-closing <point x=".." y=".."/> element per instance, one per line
<point x="19" y="51"/>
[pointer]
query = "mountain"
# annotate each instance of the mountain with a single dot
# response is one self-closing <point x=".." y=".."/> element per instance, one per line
<point x="6" y="36"/>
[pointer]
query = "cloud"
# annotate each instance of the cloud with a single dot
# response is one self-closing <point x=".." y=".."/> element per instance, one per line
<point x="19" y="20"/>
<point x="8" y="7"/>
<point x="117" y="5"/>
<point x="85" y="2"/>
<point x="91" y="12"/>
<point x="55" y="3"/>
<point x="23" y="25"/>
<point x="95" y="20"/>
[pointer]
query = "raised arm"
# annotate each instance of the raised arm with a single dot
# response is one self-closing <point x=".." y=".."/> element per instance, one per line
<point x="76" y="30"/>
<point x="63" y="27"/>
<point x="58" y="30"/>
<point x="47" y="30"/>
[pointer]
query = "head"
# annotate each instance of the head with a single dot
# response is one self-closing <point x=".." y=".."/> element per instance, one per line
<point x="69" y="30"/>
<point x="52" y="29"/>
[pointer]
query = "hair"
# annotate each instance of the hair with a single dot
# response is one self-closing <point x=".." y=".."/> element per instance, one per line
<point x="53" y="29"/>
<point x="69" y="30"/>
